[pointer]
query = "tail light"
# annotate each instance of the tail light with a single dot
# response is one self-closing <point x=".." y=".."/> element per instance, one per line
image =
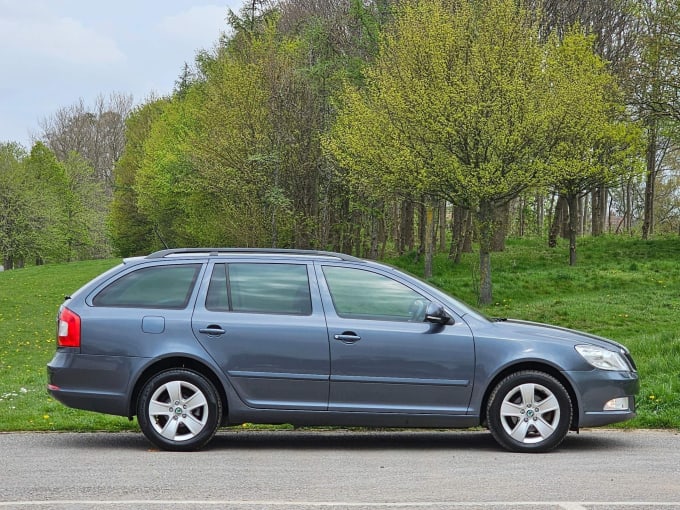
<point x="68" y="334"/>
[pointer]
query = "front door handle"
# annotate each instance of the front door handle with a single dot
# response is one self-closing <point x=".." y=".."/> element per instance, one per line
<point x="348" y="337"/>
<point x="212" y="330"/>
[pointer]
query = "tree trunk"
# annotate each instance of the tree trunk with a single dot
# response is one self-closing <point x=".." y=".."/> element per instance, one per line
<point x="373" y="252"/>
<point x="500" y="226"/>
<point x="599" y="212"/>
<point x="540" y="214"/>
<point x="572" y="201"/>
<point x="406" y="226"/>
<point x="468" y="233"/>
<point x="521" y="216"/>
<point x="422" y="226"/>
<point x="557" y="226"/>
<point x="485" y="217"/>
<point x="461" y="233"/>
<point x="629" y="205"/>
<point x="442" y="226"/>
<point x="457" y="233"/>
<point x="648" y="222"/>
<point x="428" y="238"/>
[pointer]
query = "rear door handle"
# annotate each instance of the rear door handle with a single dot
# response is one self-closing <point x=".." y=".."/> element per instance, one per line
<point x="348" y="337"/>
<point x="212" y="330"/>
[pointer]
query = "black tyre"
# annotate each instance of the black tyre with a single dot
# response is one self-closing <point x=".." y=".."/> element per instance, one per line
<point x="529" y="411"/>
<point x="179" y="410"/>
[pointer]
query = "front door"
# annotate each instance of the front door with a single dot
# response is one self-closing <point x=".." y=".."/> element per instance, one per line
<point x="384" y="357"/>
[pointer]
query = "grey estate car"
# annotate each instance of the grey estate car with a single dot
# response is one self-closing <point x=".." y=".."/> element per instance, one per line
<point x="189" y="340"/>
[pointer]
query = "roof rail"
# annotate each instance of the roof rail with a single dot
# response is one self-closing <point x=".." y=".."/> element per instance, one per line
<point x="275" y="251"/>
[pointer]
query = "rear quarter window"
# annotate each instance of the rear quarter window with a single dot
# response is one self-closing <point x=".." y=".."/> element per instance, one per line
<point x="165" y="286"/>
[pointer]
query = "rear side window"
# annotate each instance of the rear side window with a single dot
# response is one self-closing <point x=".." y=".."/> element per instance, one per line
<point x="167" y="286"/>
<point x="260" y="288"/>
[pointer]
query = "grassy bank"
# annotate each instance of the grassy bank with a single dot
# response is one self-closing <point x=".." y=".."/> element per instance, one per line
<point x="29" y="300"/>
<point x="625" y="289"/>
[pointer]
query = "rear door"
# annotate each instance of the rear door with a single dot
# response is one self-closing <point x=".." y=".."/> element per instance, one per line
<point x="263" y="323"/>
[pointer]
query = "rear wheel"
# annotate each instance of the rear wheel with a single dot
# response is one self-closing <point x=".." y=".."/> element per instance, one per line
<point x="529" y="411"/>
<point x="179" y="410"/>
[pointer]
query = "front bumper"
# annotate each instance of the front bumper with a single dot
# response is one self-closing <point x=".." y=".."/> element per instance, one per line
<point x="594" y="388"/>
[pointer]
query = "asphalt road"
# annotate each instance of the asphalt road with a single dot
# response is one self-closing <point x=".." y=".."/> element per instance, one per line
<point x="312" y="469"/>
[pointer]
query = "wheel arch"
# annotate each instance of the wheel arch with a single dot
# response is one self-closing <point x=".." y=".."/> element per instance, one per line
<point x="540" y="367"/>
<point x="173" y="363"/>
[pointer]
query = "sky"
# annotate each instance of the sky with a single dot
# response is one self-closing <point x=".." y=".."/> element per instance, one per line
<point x="55" y="52"/>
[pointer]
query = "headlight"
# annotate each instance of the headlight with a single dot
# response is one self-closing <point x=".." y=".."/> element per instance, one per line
<point x="602" y="358"/>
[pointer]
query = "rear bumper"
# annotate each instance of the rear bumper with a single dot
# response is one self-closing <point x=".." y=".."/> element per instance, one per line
<point x="91" y="383"/>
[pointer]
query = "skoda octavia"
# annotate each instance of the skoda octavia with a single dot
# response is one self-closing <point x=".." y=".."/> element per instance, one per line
<point x="189" y="340"/>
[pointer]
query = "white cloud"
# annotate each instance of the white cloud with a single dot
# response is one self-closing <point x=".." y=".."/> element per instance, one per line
<point x="57" y="51"/>
<point x="40" y="34"/>
<point x="199" y="25"/>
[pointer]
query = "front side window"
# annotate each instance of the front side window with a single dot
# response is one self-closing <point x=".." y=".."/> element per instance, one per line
<point x="167" y="286"/>
<point x="360" y="294"/>
<point x="260" y="288"/>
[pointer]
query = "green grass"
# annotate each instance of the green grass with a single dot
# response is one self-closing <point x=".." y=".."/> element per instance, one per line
<point x="29" y="300"/>
<point x="622" y="288"/>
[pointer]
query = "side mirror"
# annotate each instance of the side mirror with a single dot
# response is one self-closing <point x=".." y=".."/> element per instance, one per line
<point x="437" y="315"/>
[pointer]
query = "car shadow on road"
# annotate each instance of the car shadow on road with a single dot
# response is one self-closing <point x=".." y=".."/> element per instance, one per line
<point x="349" y="439"/>
<point x="233" y="438"/>
<point x="473" y="440"/>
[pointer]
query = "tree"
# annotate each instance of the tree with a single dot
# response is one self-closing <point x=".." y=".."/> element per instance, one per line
<point x="656" y="93"/>
<point x="97" y="133"/>
<point x="597" y="145"/>
<point x="85" y="206"/>
<point x="16" y="216"/>
<point x="47" y="183"/>
<point x="130" y="229"/>
<point x="451" y="111"/>
<point x="614" y="26"/>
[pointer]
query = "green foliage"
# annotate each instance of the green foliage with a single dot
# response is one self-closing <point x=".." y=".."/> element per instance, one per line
<point x="448" y="111"/>
<point x="130" y="230"/>
<point x="468" y="104"/>
<point x="17" y="218"/>
<point x="85" y="205"/>
<point x="52" y="211"/>
<point x="594" y="144"/>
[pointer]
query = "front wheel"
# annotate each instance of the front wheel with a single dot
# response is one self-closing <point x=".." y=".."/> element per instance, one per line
<point x="529" y="411"/>
<point x="179" y="410"/>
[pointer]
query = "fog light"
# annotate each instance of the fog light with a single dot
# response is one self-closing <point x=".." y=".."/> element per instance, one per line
<point x="617" y="404"/>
